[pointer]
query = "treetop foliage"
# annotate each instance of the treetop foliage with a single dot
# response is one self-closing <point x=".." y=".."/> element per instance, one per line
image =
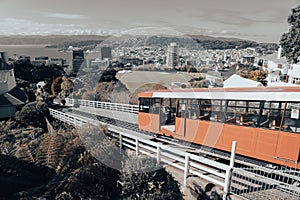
<point x="290" y="41"/>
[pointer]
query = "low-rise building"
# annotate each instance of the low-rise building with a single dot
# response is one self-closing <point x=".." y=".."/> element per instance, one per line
<point x="294" y="74"/>
<point x="11" y="97"/>
<point x="58" y="61"/>
<point x="236" y="81"/>
<point x="41" y="60"/>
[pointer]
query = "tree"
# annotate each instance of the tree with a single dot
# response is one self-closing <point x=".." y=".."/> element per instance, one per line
<point x="257" y="75"/>
<point x="41" y="73"/>
<point x="144" y="88"/>
<point x="103" y="91"/>
<point x="66" y="87"/>
<point x="31" y="116"/>
<point x="142" y="179"/>
<point x="111" y="92"/>
<point x="109" y="75"/>
<point x="22" y="70"/>
<point x="75" y="172"/>
<point x="56" y="85"/>
<point x="200" y="84"/>
<point x="98" y="143"/>
<point x="206" y="193"/>
<point x="290" y="41"/>
<point x="91" y="182"/>
<point x="88" y="95"/>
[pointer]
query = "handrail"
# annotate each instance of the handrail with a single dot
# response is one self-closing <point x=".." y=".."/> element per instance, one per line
<point x="189" y="163"/>
<point x="105" y="105"/>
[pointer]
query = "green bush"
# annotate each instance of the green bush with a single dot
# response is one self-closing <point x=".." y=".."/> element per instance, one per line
<point x="142" y="179"/>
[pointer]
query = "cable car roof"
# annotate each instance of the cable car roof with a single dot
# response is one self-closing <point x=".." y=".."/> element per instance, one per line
<point x="257" y="93"/>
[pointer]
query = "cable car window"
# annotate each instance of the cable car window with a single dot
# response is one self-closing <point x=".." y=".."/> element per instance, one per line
<point x="181" y="108"/>
<point x="231" y="113"/>
<point x="241" y="107"/>
<point x="205" y="109"/>
<point x="218" y="107"/>
<point x="144" y="105"/>
<point x="291" y="122"/>
<point x="271" y="115"/>
<point x="245" y="113"/>
<point x="193" y="108"/>
<point x="168" y="109"/>
<point x="156" y="106"/>
<point x="252" y="111"/>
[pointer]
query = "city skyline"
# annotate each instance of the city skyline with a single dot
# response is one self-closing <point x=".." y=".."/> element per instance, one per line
<point x="262" y="21"/>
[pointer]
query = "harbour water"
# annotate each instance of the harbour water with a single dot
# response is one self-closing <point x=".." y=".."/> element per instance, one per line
<point x="34" y="51"/>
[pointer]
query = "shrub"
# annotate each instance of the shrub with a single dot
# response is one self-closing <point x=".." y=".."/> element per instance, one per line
<point x="141" y="179"/>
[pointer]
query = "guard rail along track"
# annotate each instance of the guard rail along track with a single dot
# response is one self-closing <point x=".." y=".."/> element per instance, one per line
<point x="104" y="105"/>
<point x="212" y="171"/>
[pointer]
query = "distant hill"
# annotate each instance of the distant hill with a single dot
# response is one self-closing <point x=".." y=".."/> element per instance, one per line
<point x="48" y="39"/>
<point x="206" y="37"/>
<point x="90" y="41"/>
<point x="208" y="42"/>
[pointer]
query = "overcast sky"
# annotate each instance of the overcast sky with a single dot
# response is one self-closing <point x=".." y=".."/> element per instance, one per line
<point x="260" y="20"/>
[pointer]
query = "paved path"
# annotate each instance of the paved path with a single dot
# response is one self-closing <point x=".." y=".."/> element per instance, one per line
<point x="123" y="116"/>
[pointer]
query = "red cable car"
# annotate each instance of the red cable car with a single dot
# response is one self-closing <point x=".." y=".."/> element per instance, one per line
<point x="265" y="122"/>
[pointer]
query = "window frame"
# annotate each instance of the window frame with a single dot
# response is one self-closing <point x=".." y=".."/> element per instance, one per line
<point x="141" y="105"/>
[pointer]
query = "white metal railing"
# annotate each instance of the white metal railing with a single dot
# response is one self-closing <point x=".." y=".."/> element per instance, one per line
<point x="191" y="164"/>
<point x="104" y="105"/>
<point x="250" y="183"/>
<point x="265" y="183"/>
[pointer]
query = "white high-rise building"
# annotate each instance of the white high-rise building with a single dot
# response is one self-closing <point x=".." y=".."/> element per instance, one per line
<point x="172" y="55"/>
<point x="279" y="52"/>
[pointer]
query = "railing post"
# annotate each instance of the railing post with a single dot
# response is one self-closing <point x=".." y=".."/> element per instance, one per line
<point x="158" y="152"/>
<point x="136" y="147"/>
<point x="229" y="171"/>
<point x="74" y="121"/>
<point x="186" y="169"/>
<point x="121" y="141"/>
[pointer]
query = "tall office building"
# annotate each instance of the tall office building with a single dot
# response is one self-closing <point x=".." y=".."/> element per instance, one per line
<point x="3" y="64"/>
<point x="78" y="60"/>
<point x="172" y="55"/>
<point x="78" y="54"/>
<point x="105" y="52"/>
<point x="3" y="56"/>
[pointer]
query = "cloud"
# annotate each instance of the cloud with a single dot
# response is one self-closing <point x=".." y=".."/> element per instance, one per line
<point x="239" y="19"/>
<point x="15" y="26"/>
<point x="65" y="16"/>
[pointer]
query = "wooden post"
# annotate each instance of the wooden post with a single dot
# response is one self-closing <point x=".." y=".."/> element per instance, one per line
<point x="229" y="171"/>
<point x="136" y="147"/>
<point x="186" y="169"/>
<point x="121" y="141"/>
<point x="158" y="155"/>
